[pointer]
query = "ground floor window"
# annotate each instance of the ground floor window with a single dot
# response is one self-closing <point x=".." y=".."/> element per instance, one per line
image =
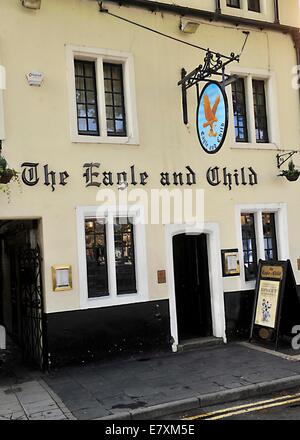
<point x="263" y="232"/>
<point x="111" y="256"/>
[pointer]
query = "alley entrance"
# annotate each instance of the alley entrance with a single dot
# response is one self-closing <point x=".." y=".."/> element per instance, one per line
<point x="192" y="287"/>
<point x="21" y="291"/>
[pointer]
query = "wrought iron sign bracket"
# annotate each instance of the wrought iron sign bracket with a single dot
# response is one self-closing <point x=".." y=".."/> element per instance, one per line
<point x="282" y="158"/>
<point x="214" y="64"/>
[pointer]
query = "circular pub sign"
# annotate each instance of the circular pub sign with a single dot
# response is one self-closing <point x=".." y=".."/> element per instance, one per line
<point x="212" y="117"/>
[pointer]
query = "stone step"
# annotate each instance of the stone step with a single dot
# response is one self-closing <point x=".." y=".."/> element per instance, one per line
<point x="192" y="344"/>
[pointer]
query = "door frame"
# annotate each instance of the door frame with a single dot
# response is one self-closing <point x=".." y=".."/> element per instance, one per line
<point x="215" y="276"/>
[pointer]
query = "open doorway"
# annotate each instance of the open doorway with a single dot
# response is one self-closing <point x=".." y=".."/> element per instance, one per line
<point x="192" y="286"/>
<point x="21" y="290"/>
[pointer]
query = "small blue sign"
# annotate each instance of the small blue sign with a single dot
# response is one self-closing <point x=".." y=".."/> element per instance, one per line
<point x="212" y="117"/>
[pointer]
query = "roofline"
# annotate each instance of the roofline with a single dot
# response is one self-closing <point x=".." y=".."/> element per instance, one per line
<point x="208" y="15"/>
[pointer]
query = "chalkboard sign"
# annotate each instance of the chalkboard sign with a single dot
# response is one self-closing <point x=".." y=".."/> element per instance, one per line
<point x="277" y="305"/>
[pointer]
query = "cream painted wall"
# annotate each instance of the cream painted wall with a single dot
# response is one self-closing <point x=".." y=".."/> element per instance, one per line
<point x="38" y="128"/>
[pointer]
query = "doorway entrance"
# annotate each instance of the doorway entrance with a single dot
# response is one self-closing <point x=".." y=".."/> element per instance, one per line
<point x="21" y="290"/>
<point x="192" y="286"/>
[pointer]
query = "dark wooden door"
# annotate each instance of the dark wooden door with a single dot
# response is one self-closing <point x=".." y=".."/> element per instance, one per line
<point x="192" y="286"/>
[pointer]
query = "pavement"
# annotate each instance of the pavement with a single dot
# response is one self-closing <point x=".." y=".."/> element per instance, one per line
<point x="147" y="387"/>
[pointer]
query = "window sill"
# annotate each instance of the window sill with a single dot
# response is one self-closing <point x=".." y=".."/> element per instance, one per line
<point x="77" y="139"/>
<point x="97" y="303"/>
<point x="248" y="285"/>
<point x="254" y="146"/>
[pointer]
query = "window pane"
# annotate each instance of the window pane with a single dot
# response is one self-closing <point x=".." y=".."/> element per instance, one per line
<point x="116" y="72"/>
<point x="82" y="124"/>
<point x="108" y="99"/>
<point x="108" y="85"/>
<point x="79" y="83"/>
<point x="81" y="110"/>
<point x="92" y="124"/>
<point x="110" y="126"/>
<point x="109" y="112"/>
<point x="114" y="99"/>
<point x="233" y="3"/>
<point x="119" y="126"/>
<point x="249" y="246"/>
<point x="80" y="97"/>
<point x="91" y="97"/>
<point x="270" y="241"/>
<point x="254" y="5"/>
<point x="124" y="256"/>
<point x="96" y="258"/>
<point x="86" y="94"/>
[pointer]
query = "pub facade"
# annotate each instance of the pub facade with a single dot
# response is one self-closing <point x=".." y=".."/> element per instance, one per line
<point x="104" y="140"/>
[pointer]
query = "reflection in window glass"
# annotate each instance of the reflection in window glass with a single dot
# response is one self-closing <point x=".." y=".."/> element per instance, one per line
<point x="86" y="98"/>
<point x="270" y="242"/>
<point x="249" y="246"/>
<point x="114" y="99"/>
<point x="96" y="257"/>
<point x="124" y="256"/>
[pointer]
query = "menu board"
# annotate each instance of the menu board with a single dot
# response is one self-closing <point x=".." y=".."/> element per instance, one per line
<point x="277" y="306"/>
<point x="267" y="303"/>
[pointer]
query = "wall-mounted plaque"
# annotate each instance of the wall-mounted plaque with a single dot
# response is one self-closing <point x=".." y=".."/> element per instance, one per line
<point x="61" y="278"/>
<point x="231" y="263"/>
<point x="161" y="277"/>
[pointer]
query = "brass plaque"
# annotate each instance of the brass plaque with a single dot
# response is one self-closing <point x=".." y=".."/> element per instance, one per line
<point x="298" y="263"/>
<point x="275" y="272"/>
<point x="161" y="277"/>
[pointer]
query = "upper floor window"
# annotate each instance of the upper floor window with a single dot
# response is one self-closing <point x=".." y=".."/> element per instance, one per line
<point x="102" y="94"/>
<point x="252" y="5"/>
<point x="250" y="110"/>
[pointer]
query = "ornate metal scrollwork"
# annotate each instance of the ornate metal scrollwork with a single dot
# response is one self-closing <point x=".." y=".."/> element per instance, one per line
<point x="214" y="64"/>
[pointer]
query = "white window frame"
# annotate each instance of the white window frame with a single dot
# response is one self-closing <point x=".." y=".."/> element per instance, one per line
<point x="137" y="213"/>
<point x="100" y="56"/>
<point x="271" y="107"/>
<point x="266" y="13"/>
<point x="281" y="227"/>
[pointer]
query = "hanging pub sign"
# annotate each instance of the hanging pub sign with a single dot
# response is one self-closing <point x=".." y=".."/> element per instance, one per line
<point x="212" y="117"/>
<point x="277" y="306"/>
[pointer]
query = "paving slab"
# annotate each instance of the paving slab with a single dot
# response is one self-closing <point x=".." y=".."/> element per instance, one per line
<point x="135" y="388"/>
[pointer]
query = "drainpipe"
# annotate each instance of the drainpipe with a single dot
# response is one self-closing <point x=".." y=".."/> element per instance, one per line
<point x="276" y="9"/>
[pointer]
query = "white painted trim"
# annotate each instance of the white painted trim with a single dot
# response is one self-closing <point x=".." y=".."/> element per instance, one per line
<point x="281" y="224"/>
<point x="135" y="212"/>
<point x="2" y="129"/>
<point x="99" y="56"/>
<point x="215" y="276"/>
<point x="2" y="88"/>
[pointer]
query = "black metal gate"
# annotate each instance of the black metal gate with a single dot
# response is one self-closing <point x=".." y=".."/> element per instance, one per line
<point x="31" y="289"/>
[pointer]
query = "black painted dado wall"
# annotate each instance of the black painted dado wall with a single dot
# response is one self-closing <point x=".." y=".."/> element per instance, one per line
<point x="84" y="335"/>
<point x="238" y="311"/>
